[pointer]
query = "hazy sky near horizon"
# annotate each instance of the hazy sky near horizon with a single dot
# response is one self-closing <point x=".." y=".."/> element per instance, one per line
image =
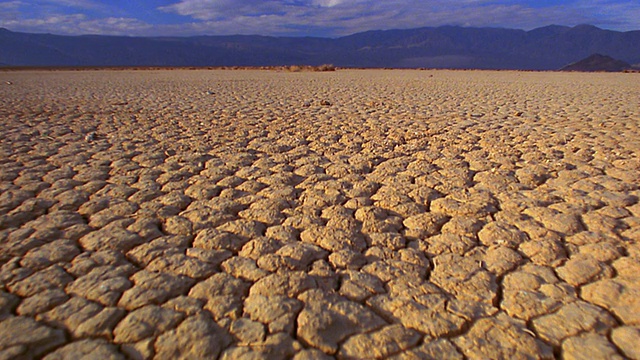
<point x="326" y="18"/>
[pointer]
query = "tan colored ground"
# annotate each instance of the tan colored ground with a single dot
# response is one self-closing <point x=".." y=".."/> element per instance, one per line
<point x="355" y="214"/>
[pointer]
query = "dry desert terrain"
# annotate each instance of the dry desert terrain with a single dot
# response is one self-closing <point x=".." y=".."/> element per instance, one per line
<point x="352" y="214"/>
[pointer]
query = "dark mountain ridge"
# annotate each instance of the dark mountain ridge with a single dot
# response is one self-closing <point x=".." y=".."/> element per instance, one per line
<point x="545" y="48"/>
<point x="598" y="62"/>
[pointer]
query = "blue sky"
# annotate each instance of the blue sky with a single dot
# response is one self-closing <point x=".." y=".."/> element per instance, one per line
<point x="327" y="18"/>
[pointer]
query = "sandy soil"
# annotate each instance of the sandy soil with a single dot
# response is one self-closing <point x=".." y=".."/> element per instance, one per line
<point x="353" y="214"/>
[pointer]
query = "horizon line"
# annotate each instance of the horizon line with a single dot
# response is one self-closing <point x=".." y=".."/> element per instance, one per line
<point x="320" y="37"/>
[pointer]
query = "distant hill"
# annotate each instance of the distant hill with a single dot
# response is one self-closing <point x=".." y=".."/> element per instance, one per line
<point x="546" y="48"/>
<point x="597" y="62"/>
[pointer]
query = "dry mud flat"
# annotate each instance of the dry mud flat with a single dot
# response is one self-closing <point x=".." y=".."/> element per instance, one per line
<point x="355" y="214"/>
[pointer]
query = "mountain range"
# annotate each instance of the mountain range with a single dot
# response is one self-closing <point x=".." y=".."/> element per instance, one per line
<point x="546" y="48"/>
<point x="598" y="62"/>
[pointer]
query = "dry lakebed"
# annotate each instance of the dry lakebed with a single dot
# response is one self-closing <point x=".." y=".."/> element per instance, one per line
<point x="355" y="214"/>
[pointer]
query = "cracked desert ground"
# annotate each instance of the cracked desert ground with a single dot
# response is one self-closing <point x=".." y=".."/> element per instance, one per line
<point x="255" y="214"/>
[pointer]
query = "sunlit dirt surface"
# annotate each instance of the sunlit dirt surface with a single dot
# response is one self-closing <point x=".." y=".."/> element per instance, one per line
<point x="349" y="214"/>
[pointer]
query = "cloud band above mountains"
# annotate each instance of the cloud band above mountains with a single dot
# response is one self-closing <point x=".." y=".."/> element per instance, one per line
<point x="303" y="17"/>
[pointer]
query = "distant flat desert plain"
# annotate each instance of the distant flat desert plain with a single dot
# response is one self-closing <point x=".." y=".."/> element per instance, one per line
<point x="262" y="214"/>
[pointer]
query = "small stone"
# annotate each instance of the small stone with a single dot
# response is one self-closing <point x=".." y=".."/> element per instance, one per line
<point x="218" y="240"/>
<point x="603" y="252"/>
<point x="175" y="199"/>
<point x="177" y="225"/>
<point x="473" y="203"/>
<point x="178" y="263"/>
<point x="290" y="284"/>
<point x="213" y="257"/>
<point x="247" y="331"/>
<point x="620" y="296"/>
<point x="387" y="270"/>
<point x="243" y="268"/>
<point x="589" y="346"/>
<point x="533" y="291"/>
<point x="571" y="320"/>
<point x="202" y="191"/>
<point x="223" y="295"/>
<point x="25" y="338"/>
<point x="392" y="241"/>
<point x="301" y="255"/>
<point x="87" y="261"/>
<point x="377" y="220"/>
<point x="424" y="225"/>
<point x="581" y="270"/>
<point x="113" y="238"/>
<point x="41" y="302"/>
<point x="71" y="314"/>
<point x="150" y="320"/>
<point x="347" y="259"/>
<point x="553" y="220"/>
<point x="424" y="311"/>
<point x="327" y="319"/>
<point x="197" y="337"/>
<point x="501" y="234"/>
<point x="320" y="197"/>
<point x="532" y="176"/>
<point x="447" y="243"/>
<point x="247" y="229"/>
<point x="277" y="312"/>
<point x="153" y="288"/>
<point x="217" y="285"/>
<point x="53" y="277"/>
<point x="259" y="247"/>
<point x="627" y="338"/>
<point x="431" y="349"/>
<point x="265" y="216"/>
<point x="465" y="278"/>
<point x="140" y="350"/>
<point x="276" y="346"/>
<point x="101" y="324"/>
<point x="86" y="349"/>
<point x="282" y="233"/>
<point x="359" y="286"/>
<point x="501" y="338"/>
<point x="71" y="199"/>
<point x="8" y="303"/>
<point x="501" y="259"/>
<point x="332" y="239"/>
<point x="146" y="227"/>
<point x="379" y="344"/>
<point x="312" y="354"/>
<point x="546" y="251"/>
<point x="185" y="304"/>
<point x="104" y="284"/>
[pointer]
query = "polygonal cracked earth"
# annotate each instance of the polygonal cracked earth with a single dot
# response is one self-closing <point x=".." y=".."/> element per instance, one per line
<point x="232" y="214"/>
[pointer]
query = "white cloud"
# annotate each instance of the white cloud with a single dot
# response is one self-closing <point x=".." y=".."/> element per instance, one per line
<point x="216" y="9"/>
<point x="82" y="4"/>
<point x="8" y="5"/>
<point x="74" y="24"/>
<point x="327" y="3"/>
<point x="344" y="17"/>
<point x="310" y="17"/>
<point x="619" y="15"/>
<point x="10" y="9"/>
